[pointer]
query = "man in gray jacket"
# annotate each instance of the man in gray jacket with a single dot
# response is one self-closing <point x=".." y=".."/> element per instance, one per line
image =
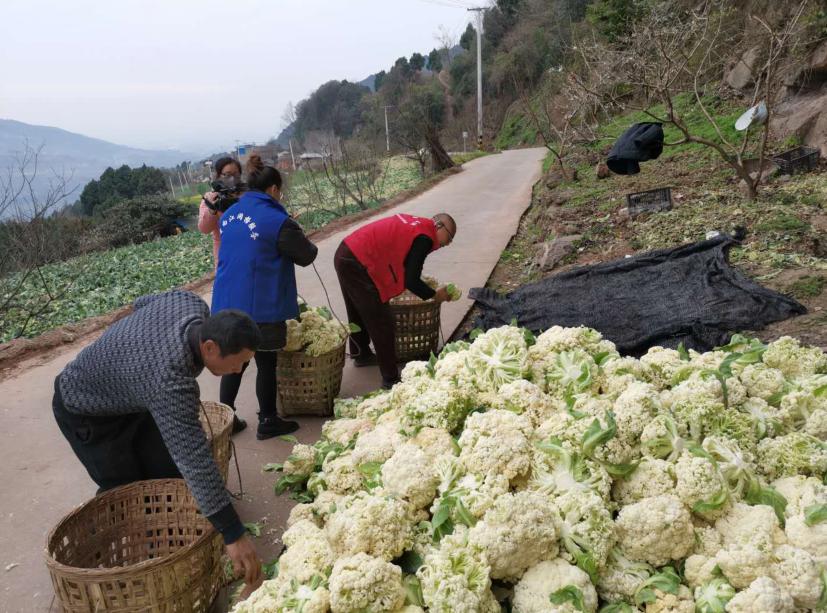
<point x="129" y="404"/>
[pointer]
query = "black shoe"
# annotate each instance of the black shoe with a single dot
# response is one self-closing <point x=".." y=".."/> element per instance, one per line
<point x="238" y="424"/>
<point x="361" y="361"/>
<point x="389" y="383"/>
<point x="274" y="426"/>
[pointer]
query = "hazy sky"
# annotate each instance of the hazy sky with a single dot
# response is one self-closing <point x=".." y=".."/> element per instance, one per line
<point x="197" y="75"/>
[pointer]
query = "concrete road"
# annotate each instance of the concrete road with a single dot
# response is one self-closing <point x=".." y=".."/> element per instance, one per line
<point x="42" y="480"/>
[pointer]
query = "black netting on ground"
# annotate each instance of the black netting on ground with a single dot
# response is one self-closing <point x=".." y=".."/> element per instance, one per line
<point x="688" y="294"/>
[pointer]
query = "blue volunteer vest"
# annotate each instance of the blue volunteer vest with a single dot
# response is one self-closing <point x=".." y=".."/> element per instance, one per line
<point x="252" y="275"/>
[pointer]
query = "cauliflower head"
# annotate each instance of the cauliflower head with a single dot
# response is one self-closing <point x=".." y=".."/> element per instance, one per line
<point x="655" y="530"/>
<point x="363" y="583"/>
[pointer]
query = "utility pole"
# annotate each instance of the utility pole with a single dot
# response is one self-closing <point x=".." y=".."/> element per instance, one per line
<point x="387" y="133"/>
<point x="479" y="12"/>
<point x="292" y="157"/>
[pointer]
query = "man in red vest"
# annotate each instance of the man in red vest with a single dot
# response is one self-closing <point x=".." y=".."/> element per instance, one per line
<point x="378" y="262"/>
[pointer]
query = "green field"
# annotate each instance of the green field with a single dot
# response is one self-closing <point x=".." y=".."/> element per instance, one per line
<point x="97" y="283"/>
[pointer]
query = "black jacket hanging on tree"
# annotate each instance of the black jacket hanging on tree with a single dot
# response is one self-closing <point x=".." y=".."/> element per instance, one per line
<point x="640" y="143"/>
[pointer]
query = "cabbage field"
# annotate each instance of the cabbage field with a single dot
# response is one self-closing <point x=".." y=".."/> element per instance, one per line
<point x="549" y="474"/>
<point x="100" y="282"/>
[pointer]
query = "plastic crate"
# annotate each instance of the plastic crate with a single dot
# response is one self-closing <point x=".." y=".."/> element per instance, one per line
<point x="650" y="201"/>
<point x="800" y="159"/>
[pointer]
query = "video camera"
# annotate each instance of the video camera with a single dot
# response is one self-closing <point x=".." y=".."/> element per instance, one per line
<point x="228" y="195"/>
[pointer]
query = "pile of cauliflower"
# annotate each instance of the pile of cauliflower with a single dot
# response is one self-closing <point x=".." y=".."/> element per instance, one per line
<point x="315" y="332"/>
<point x="552" y="475"/>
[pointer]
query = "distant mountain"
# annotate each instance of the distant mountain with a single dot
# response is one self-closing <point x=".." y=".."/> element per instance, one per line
<point x="369" y="82"/>
<point x="81" y="157"/>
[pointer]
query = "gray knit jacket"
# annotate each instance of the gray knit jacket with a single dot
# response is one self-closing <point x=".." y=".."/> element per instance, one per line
<point x="148" y="362"/>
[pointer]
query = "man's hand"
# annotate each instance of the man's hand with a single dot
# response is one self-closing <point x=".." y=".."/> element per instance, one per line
<point x="442" y="295"/>
<point x="246" y="561"/>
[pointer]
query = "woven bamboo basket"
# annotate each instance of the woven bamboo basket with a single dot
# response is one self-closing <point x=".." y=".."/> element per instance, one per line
<point x="416" y="326"/>
<point x="217" y="421"/>
<point x="307" y="385"/>
<point x="138" y="547"/>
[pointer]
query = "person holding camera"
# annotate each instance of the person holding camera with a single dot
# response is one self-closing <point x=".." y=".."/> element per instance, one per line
<point x="223" y="196"/>
<point x="260" y="247"/>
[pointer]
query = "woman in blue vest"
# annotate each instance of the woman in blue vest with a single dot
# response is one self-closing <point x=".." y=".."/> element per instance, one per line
<point x="260" y="246"/>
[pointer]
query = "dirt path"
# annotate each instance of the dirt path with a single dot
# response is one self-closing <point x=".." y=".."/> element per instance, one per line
<point x="41" y="478"/>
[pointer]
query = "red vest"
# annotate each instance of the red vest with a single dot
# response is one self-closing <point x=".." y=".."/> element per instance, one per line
<point x="381" y="247"/>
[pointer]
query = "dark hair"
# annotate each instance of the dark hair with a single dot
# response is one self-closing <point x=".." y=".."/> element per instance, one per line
<point x="261" y="177"/>
<point x="232" y="330"/>
<point x="220" y="163"/>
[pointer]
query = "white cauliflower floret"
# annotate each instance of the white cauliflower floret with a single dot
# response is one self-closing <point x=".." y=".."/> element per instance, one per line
<point x="301" y="461"/>
<point x="761" y="381"/>
<point x="287" y="596"/>
<point x="557" y="469"/>
<point x="702" y="385"/>
<point x="375" y="406"/>
<point x="411" y="475"/>
<point x="817" y="424"/>
<point x="762" y="596"/>
<point x="650" y="478"/>
<point x="343" y="431"/>
<point x="565" y="372"/>
<point x="796" y="572"/>
<point x="801" y="492"/>
<point x="787" y="355"/>
<point x="699" y="569"/>
<point x="308" y="552"/>
<point x="557" y="339"/>
<point x="792" y="454"/>
<point x="378" y="444"/>
<point x="766" y="418"/>
<point x="435" y="443"/>
<point x="621" y="577"/>
<point x="531" y="594"/>
<point x="700" y="486"/>
<point x="812" y="539"/>
<point x="379" y="526"/>
<point x="414" y="369"/>
<point x="341" y="475"/>
<point x="750" y="525"/>
<point x="438" y="404"/>
<point x="477" y="493"/>
<point x="743" y="564"/>
<point x="516" y="533"/>
<point x="498" y="356"/>
<point x="302" y="512"/>
<point x="661" y="365"/>
<point x="362" y="583"/>
<point x="635" y="408"/>
<point x="455" y="577"/>
<point x="682" y="602"/>
<point x="587" y="531"/>
<point x="453" y="367"/>
<point x="525" y="398"/>
<point x="496" y="441"/>
<point x="655" y="530"/>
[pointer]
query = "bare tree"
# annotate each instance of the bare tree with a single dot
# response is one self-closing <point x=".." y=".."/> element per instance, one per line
<point x="355" y="174"/>
<point x="29" y="241"/>
<point x="288" y="116"/>
<point x="673" y="52"/>
<point x="558" y="113"/>
<point x="447" y="40"/>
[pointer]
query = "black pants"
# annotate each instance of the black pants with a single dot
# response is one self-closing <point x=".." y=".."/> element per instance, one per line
<point x="366" y="310"/>
<point x="266" y="387"/>
<point x="117" y="449"/>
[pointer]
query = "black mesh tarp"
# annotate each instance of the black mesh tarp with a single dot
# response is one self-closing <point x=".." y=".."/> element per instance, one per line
<point x="689" y="294"/>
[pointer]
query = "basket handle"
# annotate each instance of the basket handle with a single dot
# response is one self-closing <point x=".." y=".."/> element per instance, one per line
<point x="240" y="494"/>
